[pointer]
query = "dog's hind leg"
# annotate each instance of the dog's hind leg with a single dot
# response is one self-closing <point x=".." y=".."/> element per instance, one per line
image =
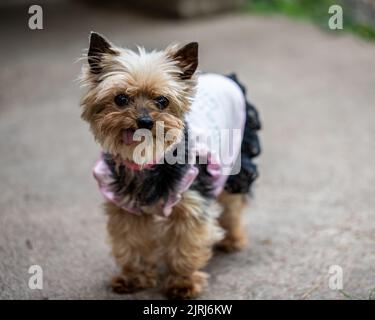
<point x="231" y="221"/>
<point x="133" y="246"/>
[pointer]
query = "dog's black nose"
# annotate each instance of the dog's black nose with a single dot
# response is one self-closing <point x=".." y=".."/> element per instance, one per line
<point x="145" y="122"/>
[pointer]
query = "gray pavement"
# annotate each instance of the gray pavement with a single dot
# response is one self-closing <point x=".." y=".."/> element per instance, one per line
<point x="314" y="203"/>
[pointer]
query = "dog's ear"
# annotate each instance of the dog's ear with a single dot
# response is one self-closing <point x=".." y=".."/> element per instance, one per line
<point x="98" y="47"/>
<point x="187" y="59"/>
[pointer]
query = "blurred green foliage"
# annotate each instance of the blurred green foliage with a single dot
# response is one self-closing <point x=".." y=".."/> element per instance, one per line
<point x="312" y="10"/>
<point x="352" y="297"/>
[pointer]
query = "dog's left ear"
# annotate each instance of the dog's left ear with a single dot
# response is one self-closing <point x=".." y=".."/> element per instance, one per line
<point x="187" y="59"/>
<point x="98" y="47"/>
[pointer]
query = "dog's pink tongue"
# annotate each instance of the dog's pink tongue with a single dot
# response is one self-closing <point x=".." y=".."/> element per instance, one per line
<point x="127" y="136"/>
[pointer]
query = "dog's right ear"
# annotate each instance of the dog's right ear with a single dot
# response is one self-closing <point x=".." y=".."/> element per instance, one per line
<point x="98" y="47"/>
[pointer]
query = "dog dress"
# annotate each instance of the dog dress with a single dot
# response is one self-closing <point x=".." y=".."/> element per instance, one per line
<point x="215" y="126"/>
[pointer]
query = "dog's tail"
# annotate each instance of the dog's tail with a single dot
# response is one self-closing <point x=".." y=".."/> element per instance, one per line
<point x="250" y="148"/>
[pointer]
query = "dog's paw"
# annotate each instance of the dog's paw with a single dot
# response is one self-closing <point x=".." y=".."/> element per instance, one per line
<point x="123" y="283"/>
<point x="185" y="287"/>
<point x="232" y="243"/>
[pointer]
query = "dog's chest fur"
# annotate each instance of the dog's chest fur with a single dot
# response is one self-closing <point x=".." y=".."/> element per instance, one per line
<point x="146" y="187"/>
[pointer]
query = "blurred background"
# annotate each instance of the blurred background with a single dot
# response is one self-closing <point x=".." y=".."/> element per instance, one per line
<point x="314" y="87"/>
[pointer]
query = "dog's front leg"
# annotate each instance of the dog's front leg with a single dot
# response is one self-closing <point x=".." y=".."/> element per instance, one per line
<point x="133" y="247"/>
<point x="192" y="230"/>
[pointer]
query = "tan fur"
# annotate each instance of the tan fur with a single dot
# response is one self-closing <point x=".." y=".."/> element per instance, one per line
<point x="183" y="241"/>
<point x="192" y="230"/>
<point x="230" y="221"/>
<point x="133" y="239"/>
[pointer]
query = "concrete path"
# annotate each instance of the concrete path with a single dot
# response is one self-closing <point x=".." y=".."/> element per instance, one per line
<point x="314" y="203"/>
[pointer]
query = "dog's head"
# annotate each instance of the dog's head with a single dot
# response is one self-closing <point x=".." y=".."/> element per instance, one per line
<point x="128" y="91"/>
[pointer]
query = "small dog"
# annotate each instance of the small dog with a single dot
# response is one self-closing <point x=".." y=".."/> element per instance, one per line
<point x="169" y="197"/>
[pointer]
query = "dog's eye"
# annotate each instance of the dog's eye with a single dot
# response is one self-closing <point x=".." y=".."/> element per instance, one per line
<point x="122" y="99"/>
<point x="161" y="102"/>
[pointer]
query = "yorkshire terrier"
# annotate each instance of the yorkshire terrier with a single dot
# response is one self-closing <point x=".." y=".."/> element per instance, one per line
<point x="172" y="193"/>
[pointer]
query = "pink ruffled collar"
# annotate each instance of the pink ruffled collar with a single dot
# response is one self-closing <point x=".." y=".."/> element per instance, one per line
<point x="103" y="175"/>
